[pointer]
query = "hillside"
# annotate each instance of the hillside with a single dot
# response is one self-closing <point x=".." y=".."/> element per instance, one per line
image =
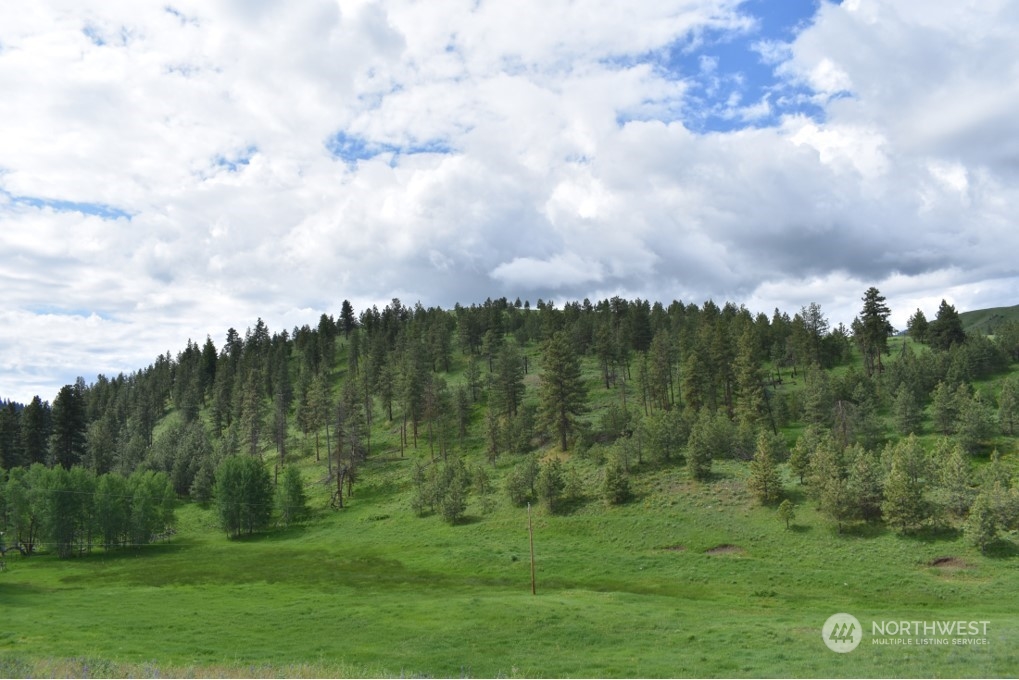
<point x="987" y="321"/>
<point x="663" y="581"/>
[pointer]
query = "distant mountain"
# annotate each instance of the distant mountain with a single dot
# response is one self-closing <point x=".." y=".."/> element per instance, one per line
<point x="987" y="320"/>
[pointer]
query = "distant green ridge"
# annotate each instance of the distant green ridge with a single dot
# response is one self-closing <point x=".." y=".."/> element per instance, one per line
<point x="987" y="320"/>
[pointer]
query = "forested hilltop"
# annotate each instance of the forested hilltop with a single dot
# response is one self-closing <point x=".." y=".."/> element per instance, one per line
<point x="876" y="428"/>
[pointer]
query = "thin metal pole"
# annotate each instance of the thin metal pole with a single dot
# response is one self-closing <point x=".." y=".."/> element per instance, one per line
<point x="530" y="534"/>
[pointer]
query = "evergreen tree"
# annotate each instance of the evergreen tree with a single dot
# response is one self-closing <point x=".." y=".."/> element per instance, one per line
<point x="453" y="491"/>
<point x="750" y="403"/>
<point x="945" y="408"/>
<point x="1008" y="405"/>
<point x="347" y="321"/>
<point x="803" y="450"/>
<point x="252" y="413"/>
<point x="907" y="412"/>
<point x="765" y="482"/>
<point x="562" y="394"/>
<point x="946" y="330"/>
<point x="872" y="330"/>
<point x="291" y="499"/>
<point x="11" y="449"/>
<point x="975" y="425"/>
<point x="36" y="423"/>
<point x="987" y="516"/>
<point x="68" y="442"/>
<point x="829" y="482"/>
<point x="551" y="483"/>
<point x="917" y="326"/>
<point x="953" y="477"/>
<point x="700" y="447"/>
<point x="908" y="480"/>
<point x="864" y="484"/>
<point x="508" y="381"/>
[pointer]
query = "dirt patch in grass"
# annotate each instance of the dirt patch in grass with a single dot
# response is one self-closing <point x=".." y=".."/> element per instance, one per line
<point x="674" y="548"/>
<point x="725" y="549"/>
<point x="948" y="563"/>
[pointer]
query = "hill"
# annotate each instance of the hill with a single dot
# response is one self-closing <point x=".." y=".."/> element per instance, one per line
<point x="987" y="321"/>
<point x="666" y="580"/>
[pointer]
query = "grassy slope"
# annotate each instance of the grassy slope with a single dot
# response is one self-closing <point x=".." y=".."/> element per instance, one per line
<point x="986" y="320"/>
<point x="627" y="591"/>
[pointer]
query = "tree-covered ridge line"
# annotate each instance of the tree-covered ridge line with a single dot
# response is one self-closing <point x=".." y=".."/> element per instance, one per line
<point x="675" y="383"/>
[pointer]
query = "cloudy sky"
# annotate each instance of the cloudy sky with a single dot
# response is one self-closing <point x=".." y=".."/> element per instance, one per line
<point x="171" y="169"/>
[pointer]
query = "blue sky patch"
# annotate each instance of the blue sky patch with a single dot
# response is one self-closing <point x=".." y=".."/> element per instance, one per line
<point x="731" y="84"/>
<point x="351" y="148"/>
<point x="236" y="161"/>
<point x="107" y="212"/>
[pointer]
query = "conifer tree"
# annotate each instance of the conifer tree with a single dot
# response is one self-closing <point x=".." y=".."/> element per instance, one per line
<point x="954" y="479"/>
<point x="291" y="499"/>
<point x="562" y="394"/>
<point x="907" y="412"/>
<point x="944" y="408"/>
<point x="946" y="330"/>
<point x="906" y="505"/>
<point x="864" y="484"/>
<point x="1008" y="405"/>
<point x="765" y="482"/>
<point x="872" y="330"/>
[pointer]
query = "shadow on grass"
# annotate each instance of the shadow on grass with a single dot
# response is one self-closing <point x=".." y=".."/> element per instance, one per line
<point x="800" y="528"/>
<point x="864" y="529"/>
<point x="1001" y="549"/>
<point x="933" y="534"/>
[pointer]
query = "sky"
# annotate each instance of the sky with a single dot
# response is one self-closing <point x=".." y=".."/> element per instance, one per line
<point x="169" y="170"/>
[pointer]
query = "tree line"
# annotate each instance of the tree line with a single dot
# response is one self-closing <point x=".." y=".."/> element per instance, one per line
<point x="689" y="383"/>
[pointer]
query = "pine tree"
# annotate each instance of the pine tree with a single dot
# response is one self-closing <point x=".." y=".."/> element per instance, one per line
<point x="68" y="442"/>
<point x="873" y="330"/>
<point x="987" y="516"/>
<point x="750" y="403"/>
<point x="562" y="394"/>
<point x="946" y="330"/>
<point x="908" y="480"/>
<point x="944" y="408"/>
<point x="908" y="415"/>
<point x="551" y="483"/>
<point x="1008" y="405"/>
<point x="291" y="499"/>
<point x="803" y="450"/>
<point x="975" y="424"/>
<point x="864" y="484"/>
<point x="953" y="477"/>
<point x="917" y="326"/>
<point x="828" y="483"/>
<point x="36" y="424"/>
<point x="699" y="447"/>
<point x="508" y="381"/>
<point x="765" y="482"/>
<point x="11" y="450"/>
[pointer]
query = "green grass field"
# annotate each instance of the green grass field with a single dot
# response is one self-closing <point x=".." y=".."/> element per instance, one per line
<point x="628" y="591"/>
<point x="688" y="579"/>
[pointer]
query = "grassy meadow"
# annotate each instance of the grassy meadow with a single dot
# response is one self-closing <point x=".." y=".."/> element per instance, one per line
<point x="688" y="579"/>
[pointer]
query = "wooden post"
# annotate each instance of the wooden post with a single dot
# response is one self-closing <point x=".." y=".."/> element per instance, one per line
<point x="530" y="534"/>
